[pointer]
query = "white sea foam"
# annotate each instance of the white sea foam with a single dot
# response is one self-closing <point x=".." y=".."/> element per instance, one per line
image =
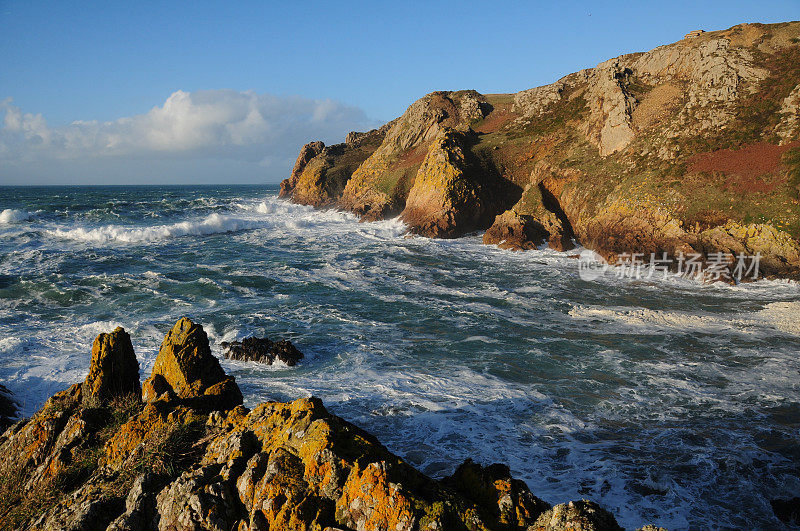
<point x="778" y="316"/>
<point x="12" y="215"/>
<point x="213" y="224"/>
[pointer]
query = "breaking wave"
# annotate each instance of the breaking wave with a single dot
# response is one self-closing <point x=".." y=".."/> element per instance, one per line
<point x="12" y="215"/>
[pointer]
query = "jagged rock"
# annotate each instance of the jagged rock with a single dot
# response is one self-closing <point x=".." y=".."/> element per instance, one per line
<point x="651" y="527"/>
<point x="114" y="370"/>
<point x="321" y="173"/>
<point x="186" y="365"/>
<point x="449" y="198"/>
<point x="506" y="501"/>
<point x="380" y="185"/>
<point x="9" y="409"/>
<point x="611" y="106"/>
<point x="789" y="126"/>
<point x="580" y="515"/>
<point x="534" y="102"/>
<point x="291" y="466"/>
<point x="140" y="505"/>
<point x="262" y="350"/>
<point x="779" y="253"/>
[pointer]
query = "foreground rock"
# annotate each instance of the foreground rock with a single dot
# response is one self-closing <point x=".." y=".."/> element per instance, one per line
<point x="114" y="370"/>
<point x="182" y="456"/>
<point x="693" y="147"/>
<point x="262" y="350"/>
<point x="186" y="369"/>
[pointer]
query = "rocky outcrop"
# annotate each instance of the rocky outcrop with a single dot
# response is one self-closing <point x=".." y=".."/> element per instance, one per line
<point x="611" y="106"/>
<point x="380" y="186"/>
<point x="172" y="463"/>
<point x="321" y="172"/>
<point x="642" y="154"/>
<point x="114" y="370"/>
<point x="450" y="196"/>
<point x="514" y="231"/>
<point x="580" y="515"/>
<point x="262" y="350"/>
<point x="789" y="126"/>
<point x="186" y="369"/>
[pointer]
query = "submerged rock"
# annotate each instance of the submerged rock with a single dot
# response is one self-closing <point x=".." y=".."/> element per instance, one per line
<point x="262" y="350"/>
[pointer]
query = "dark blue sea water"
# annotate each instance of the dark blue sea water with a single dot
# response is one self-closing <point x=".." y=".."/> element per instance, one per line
<point x="667" y="401"/>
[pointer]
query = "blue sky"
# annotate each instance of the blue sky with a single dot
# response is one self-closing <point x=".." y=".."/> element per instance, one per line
<point x="337" y="66"/>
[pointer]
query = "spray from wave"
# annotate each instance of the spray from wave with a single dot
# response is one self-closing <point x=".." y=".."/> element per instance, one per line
<point x="12" y="215"/>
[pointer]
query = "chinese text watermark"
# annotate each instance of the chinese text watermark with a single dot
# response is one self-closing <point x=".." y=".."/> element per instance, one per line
<point x="717" y="266"/>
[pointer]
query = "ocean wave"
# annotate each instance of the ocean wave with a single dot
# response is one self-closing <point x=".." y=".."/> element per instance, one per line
<point x="12" y="215"/>
<point x="213" y="224"/>
<point x="777" y="316"/>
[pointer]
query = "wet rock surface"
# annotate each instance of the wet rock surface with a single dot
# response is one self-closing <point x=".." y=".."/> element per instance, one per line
<point x="262" y="350"/>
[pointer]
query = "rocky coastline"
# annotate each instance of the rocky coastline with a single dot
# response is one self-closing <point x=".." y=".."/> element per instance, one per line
<point x="692" y="148"/>
<point x="180" y="451"/>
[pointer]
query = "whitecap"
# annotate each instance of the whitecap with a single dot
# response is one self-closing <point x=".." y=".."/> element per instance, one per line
<point x="12" y="215"/>
<point x="213" y="224"/>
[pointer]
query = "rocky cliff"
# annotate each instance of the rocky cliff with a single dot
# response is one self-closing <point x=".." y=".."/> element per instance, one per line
<point x="182" y="452"/>
<point x="692" y="147"/>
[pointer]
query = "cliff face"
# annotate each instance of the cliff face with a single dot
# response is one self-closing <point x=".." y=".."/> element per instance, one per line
<point x="690" y="147"/>
<point x="183" y="453"/>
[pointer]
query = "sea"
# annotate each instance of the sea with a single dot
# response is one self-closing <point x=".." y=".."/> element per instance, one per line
<point x="666" y="400"/>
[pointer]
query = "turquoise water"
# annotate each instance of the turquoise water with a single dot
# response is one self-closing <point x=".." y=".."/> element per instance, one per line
<point x="666" y="401"/>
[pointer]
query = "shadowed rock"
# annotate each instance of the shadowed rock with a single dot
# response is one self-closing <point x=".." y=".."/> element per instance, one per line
<point x="114" y="370"/>
<point x="787" y="511"/>
<point x="262" y="350"/>
<point x="8" y="408"/>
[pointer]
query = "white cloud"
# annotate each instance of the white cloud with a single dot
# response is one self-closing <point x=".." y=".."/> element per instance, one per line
<point x="250" y="130"/>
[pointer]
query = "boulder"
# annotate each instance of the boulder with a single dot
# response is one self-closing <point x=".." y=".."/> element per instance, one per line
<point x="186" y="366"/>
<point x="114" y="370"/>
<point x="262" y="350"/>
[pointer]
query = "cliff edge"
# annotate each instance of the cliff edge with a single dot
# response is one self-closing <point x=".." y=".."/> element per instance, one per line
<point x="693" y="147"/>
